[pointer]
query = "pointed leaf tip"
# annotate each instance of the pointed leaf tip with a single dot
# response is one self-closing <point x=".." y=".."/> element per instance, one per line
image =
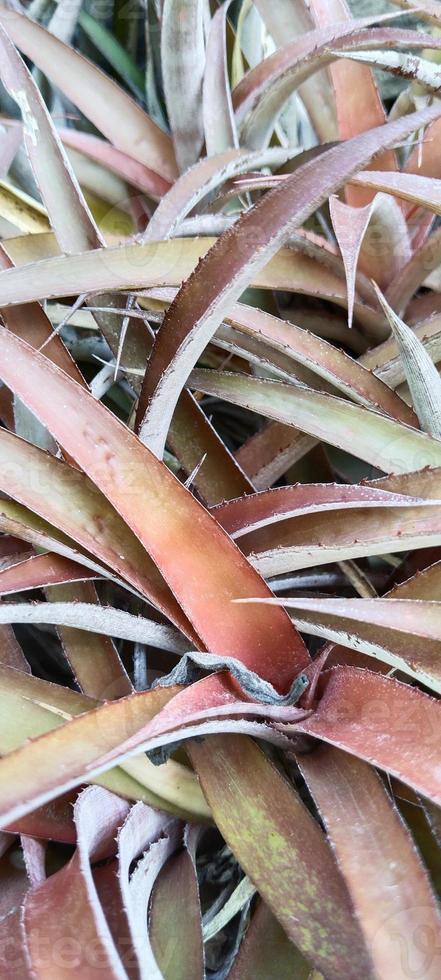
<point x="421" y="374"/>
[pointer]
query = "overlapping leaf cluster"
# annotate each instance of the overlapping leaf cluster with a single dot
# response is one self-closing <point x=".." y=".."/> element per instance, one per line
<point x="221" y="436"/>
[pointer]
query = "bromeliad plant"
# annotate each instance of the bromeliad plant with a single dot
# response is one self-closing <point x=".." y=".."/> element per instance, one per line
<point x="220" y="447"/>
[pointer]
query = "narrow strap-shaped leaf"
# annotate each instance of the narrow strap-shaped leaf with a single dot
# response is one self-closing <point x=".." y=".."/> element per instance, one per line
<point x="66" y="498"/>
<point x="386" y="361"/>
<point x="315" y="539"/>
<point x="117" y="161"/>
<point x="198" y="447"/>
<point x="22" y="523"/>
<point x="426" y="9"/>
<point x="31" y="324"/>
<point x="175" y="925"/>
<point x="34" y="718"/>
<point x="387" y="444"/>
<point x="11" y="653"/>
<point x="114" y="52"/>
<point x="268" y="454"/>
<point x="386" y="235"/>
<point x="218" y="117"/>
<point x="203" y="179"/>
<point x="421" y="374"/>
<point x="127" y="126"/>
<point x="21" y="210"/>
<point x="139" y="486"/>
<point x="391" y="725"/>
<point x="34" y="855"/>
<point x="10" y="143"/>
<point x="98" y="619"/>
<point x="358" y="102"/>
<point x="266" y="952"/>
<point x="14" y="885"/>
<point x="285" y="22"/>
<point x="321" y="357"/>
<point x="163" y="263"/>
<point x="383" y="628"/>
<point x="93" y="657"/>
<point x="385" y="876"/>
<point x="196" y="313"/>
<point x="183" y="63"/>
<point x="140" y="888"/>
<point x="414" y="187"/>
<point x="238" y="901"/>
<point x="67" y="208"/>
<point x="40" y="571"/>
<point x="424" y="584"/>
<point x="53" y="822"/>
<point x="417" y="69"/>
<point x="32" y="707"/>
<point x="267" y="86"/>
<point x="142" y="830"/>
<point x="423" y="262"/>
<point x="105" y="877"/>
<point x="276" y="77"/>
<point x="279" y="845"/>
<point x="64" y="20"/>
<point x="98" y="815"/>
<point x="246" y="514"/>
<point x="423" y="159"/>
<point x="408" y="618"/>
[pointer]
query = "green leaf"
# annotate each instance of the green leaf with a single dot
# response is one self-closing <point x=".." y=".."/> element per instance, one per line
<point x="111" y="49"/>
<point x="282" y="849"/>
<point x="175" y="925"/>
<point x="383" y="442"/>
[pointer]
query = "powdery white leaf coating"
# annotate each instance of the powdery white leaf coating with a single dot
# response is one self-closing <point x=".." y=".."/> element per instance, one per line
<point x="97" y="619"/>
